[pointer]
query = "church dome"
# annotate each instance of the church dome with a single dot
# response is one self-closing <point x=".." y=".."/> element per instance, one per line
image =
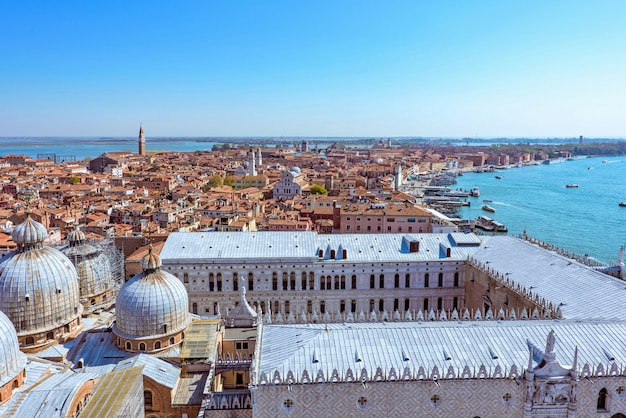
<point x="152" y="303"/>
<point x="12" y="360"/>
<point x="29" y="232"/>
<point x="38" y="284"/>
<point x="92" y="265"/>
<point x="296" y="170"/>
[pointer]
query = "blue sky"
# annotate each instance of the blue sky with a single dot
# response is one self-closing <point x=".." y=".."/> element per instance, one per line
<point x="313" y="68"/>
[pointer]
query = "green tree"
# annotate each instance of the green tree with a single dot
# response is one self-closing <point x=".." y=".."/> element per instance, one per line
<point x="74" y="179"/>
<point x="317" y="189"/>
<point x="214" y="181"/>
<point x="223" y="147"/>
<point x="228" y="181"/>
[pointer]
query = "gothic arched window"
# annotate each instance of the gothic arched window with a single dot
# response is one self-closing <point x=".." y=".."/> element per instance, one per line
<point x="602" y="399"/>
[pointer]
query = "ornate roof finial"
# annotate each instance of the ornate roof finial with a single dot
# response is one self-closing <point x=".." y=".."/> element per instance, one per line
<point x="151" y="261"/>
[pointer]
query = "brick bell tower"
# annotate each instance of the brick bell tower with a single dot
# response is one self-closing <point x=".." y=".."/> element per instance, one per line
<point x="142" y="141"/>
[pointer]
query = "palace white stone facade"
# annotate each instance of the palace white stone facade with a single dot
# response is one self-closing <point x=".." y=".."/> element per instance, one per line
<point x="311" y="274"/>
<point x="435" y="325"/>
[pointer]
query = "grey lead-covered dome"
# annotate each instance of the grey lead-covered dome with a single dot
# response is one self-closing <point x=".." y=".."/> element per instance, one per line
<point x="92" y="265"/>
<point x="152" y="303"/>
<point x="12" y="360"/>
<point x="38" y="284"/>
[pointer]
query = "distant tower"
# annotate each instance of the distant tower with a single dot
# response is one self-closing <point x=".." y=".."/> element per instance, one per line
<point x="142" y="141"/>
<point x="305" y="146"/>
<point x="398" y="177"/>
<point x="329" y="182"/>
<point x="251" y="163"/>
<point x="580" y="140"/>
<point x="259" y="158"/>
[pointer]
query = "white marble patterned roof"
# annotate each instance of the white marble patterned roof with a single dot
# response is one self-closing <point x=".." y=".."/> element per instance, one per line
<point x="355" y="346"/>
<point x="579" y="291"/>
<point x="270" y="245"/>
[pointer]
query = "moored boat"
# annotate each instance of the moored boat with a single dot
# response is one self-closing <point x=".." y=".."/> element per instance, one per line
<point x="489" y="225"/>
<point x="475" y="192"/>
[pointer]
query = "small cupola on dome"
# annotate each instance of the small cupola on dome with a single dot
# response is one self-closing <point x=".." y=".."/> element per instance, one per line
<point x="151" y="262"/>
<point x="76" y="237"/>
<point x="29" y="233"/>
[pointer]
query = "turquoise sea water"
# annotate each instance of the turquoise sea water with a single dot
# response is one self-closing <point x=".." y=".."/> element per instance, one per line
<point x="585" y="220"/>
<point x="91" y="147"/>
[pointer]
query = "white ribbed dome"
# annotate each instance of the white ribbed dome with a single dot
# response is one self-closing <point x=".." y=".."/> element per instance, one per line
<point x="12" y="360"/>
<point x="29" y="232"/>
<point x="38" y="284"/>
<point x="152" y="303"/>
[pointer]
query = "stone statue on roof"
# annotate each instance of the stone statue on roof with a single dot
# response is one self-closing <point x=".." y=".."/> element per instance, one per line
<point x="550" y="342"/>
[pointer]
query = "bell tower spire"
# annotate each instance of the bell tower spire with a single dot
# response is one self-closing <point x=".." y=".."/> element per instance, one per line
<point x="142" y="141"/>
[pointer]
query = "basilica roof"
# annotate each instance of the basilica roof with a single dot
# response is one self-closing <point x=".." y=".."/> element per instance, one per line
<point x="38" y="284"/>
<point x="92" y="265"/>
<point x="153" y="302"/>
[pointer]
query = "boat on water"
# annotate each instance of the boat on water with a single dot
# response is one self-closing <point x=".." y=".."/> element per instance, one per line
<point x="590" y="168"/>
<point x="487" y="224"/>
<point x="572" y="186"/>
<point x="499" y="177"/>
<point x="622" y="204"/>
<point x="475" y="192"/>
<point x="487" y="200"/>
<point x="605" y="161"/>
<point x="457" y="193"/>
<point x="488" y="208"/>
<point x="553" y="161"/>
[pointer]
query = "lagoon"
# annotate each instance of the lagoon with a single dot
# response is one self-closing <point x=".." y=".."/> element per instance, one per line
<point x="535" y="199"/>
